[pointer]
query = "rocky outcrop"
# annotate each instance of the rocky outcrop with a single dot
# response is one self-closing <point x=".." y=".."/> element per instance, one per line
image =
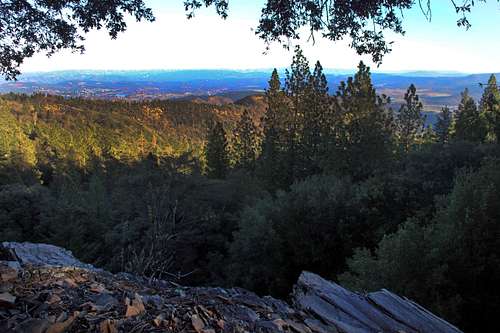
<point x="40" y="255"/>
<point x="45" y="289"/>
<point x="380" y="311"/>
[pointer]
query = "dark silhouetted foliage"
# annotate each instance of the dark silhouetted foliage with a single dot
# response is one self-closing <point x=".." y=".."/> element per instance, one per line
<point x="217" y="152"/>
<point x="29" y="27"/>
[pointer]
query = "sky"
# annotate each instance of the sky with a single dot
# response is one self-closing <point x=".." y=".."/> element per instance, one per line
<point x="208" y="42"/>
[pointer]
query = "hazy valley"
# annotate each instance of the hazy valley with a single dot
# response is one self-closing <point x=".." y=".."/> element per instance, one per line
<point x="437" y="89"/>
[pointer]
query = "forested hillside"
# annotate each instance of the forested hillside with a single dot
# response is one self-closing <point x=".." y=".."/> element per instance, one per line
<point x="80" y="129"/>
<point x="336" y="183"/>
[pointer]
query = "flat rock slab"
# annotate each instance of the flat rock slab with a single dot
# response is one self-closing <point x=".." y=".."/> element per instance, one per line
<point x="42" y="255"/>
<point x="380" y="311"/>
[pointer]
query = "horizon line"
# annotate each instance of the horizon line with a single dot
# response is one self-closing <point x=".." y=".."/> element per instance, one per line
<point x="242" y="70"/>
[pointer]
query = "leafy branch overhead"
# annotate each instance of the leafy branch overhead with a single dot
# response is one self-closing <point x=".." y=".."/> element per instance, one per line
<point x="363" y="22"/>
<point x="31" y="26"/>
<point x="28" y="27"/>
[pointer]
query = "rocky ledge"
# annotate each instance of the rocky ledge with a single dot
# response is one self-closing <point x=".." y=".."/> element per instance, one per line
<point x="44" y="289"/>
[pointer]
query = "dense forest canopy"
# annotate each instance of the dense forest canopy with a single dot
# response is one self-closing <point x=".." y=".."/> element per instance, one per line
<point x="31" y="26"/>
<point x="334" y="182"/>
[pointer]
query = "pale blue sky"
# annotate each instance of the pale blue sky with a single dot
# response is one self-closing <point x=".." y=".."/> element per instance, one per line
<point x="173" y="42"/>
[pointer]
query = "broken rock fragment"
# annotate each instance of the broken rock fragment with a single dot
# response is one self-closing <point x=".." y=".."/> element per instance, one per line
<point x="62" y="326"/>
<point x="135" y="306"/>
<point x="108" y="326"/>
<point x="198" y="324"/>
<point x="8" y="271"/>
<point x="7" y="300"/>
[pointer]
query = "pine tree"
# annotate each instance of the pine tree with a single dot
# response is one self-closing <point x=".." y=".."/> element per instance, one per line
<point x="443" y="125"/>
<point x="272" y="162"/>
<point x="298" y="78"/>
<point x="270" y="159"/>
<point x="469" y="123"/>
<point x="297" y="88"/>
<point x="429" y="136"/>
<point x="490" y="107"/>
<point x="315" y="129"/>
<point x="246" y="142"/>
<point x="216" y="152"/>
<point x="410" y="120"/>
<point x="365" y="134"/>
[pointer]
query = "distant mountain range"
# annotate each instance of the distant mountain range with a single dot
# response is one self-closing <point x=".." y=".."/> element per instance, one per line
<point x="436" y="89"/>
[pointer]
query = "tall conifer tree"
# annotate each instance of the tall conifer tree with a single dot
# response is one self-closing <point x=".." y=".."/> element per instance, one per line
<point x="272" y="162"/>
<point x="410" y="120"/>
<point x="366" y="132"/>
<point x="246" y="143"/>
<point x="443" y="125"/>
<point x="314" y="129"/>
<point x="216" y="152"/>
<point x="297" y="88"/>
<point x="469" y="123"/>
<point x="490" y="107"/>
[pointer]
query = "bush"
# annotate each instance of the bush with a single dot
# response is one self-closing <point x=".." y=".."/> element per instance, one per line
<point x="313" y="227"/>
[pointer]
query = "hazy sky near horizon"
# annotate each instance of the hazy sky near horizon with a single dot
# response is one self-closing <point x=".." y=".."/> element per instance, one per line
<point x="208" y="42"/>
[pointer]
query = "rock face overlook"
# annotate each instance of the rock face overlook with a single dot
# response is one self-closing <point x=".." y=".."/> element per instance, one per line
<point x="44" y="289"/>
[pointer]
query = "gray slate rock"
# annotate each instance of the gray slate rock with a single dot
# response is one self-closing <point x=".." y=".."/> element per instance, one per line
<point x="42" y="255"/>
<point x="380" y="311"/>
